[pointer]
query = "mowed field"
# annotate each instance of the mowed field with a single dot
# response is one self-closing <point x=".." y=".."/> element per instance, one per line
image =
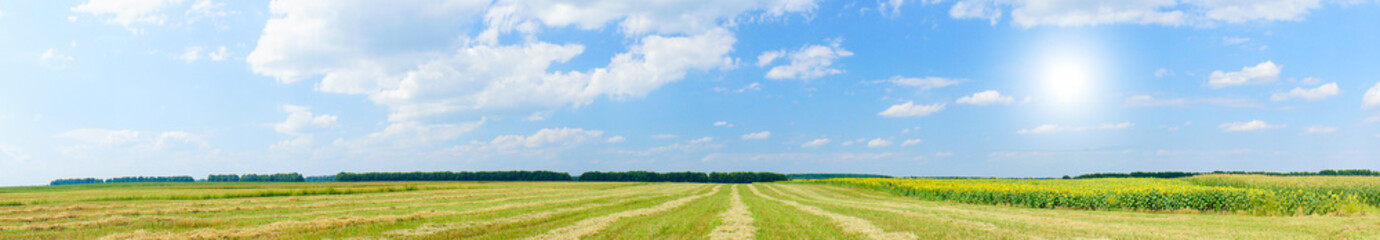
<point x="582" y="210"/>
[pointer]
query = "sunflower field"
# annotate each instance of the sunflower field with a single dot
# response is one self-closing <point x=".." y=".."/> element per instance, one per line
<point x="1113" y="193"/>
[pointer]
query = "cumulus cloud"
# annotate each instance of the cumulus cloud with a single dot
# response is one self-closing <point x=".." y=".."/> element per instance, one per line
<point x="909" y="142"/>
<point x="757" y="135"/>
<point x="816" y="143"/>
<point x="924" y="83"/>
<point x="1261" y="73"/>
<point x="436" y="76"/>
<point x="53" y="59"/>
<point x="1372" y="98"/>
<point x="769" y="56"/>
<point x="95" y="142"/>
<point x="878" y="142"/>
<point x="1055" y="128"/>
<point x="128" y="13"/>
<point x="617" y="139"/>
<point x="1255" y="125"/>
<point x="1314" y="94"/>
<point x="219" y="54"/>
<point x="909" y="109"/>
<point x="985" y="98"/>
<point x="1319" y="129"/>
<point x="722" y="124"/>
<point x="1068" y="13"/>
<point x="12" y="154"/>
<point x="301" y="117"/>
<point x="1163" y="72"/>
<point x="810" y="62"/>
<point x="545" y="142"/>
<point x="190" y="54"/>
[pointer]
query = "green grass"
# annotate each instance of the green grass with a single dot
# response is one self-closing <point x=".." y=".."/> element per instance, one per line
<point x="507" y="210"/>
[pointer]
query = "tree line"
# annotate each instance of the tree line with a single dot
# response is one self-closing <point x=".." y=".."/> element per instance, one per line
<point x="806" y="176"/>
<point x="150" y="179"/>
<point x="454" y="176"/>
<point x="276" y="177"/>
<point x="1326" y="172"/>
<point x="697" y="177"/>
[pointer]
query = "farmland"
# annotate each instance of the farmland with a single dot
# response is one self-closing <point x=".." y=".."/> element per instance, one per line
<point x="627" y="210"/>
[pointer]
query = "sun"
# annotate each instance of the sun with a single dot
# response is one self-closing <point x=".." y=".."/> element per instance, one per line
<point x="1066" y="79"/>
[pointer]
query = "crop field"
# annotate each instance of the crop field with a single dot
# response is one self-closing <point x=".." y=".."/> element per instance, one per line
<point x="584" y="210"/>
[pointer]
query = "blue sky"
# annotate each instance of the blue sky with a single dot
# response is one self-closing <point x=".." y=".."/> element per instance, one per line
<point x="1038" y="88"/>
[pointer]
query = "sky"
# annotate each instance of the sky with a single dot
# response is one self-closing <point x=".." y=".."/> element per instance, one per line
<point x="1005" y="88"/>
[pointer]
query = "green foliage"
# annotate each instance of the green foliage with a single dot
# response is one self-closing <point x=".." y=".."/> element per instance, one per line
<point x="324" y="178"/>
<point x="150" y="179"/>
<point x="70" y="181"/>
<point x="1329" y="172"/>
<point x="223" y="178"/>
<point x="276" y="177"/>
<point x="1112" y="193"/>
<point x="803" y="176"/>
<point x="454" y="176"/>
<point x="746" y="177"/>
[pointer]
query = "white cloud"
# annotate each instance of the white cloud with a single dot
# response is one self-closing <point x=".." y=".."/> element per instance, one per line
<point x="1255" y="125"/>
<point x="685" y="147"/>
<point x="1054" y="128"/>
<point x="1319" y="129"/>
<point x="1270" y="10"/>
<point x="190" y="54"/>
<point x="1310" y="81"/>
<point x="985" y="98"/>
<point x="106" y="143"/>
<point x="300" y="118"/>
<point x="909" y="109"/>
<point x="1319" y="93"/>
<point x="1163" y="72"/>
<point x="810" y="62"/>
<point x="663" y="17"/>
<point x="53" y="59"/>
<point x="909" y="142"/>
<point x="878" y="142"/>
<point x="943" y="154"/>
<point x="978" y="9"/>
<point x="924" y="83"/>
<point x="722" y="124"/>
<point x="207" y="9"/>
<point x="664" y="136"/>
<point x="1150" y="101"/>
<point x="755" y="86"/>
<point x="544" y="137"/>
<point x="1261" y="73"/>
<point x="769" y="56"/>
<point x="545" y="142"/>
<point x="128" y="13"/>
<point x="816" y="143"/>
<point x="11" y="154"/>
<point x="909" y="130"/>
<point x="1372" y="98"/>
<point x="617" y="139"/>
<point x="1234" y="40"/>
<point x="702" y="140"/>
<point x="1068" y="13"/>
<point x="757" y="135"/>
<point x="1091" y="13"/>
<point x="437" y="76"/>
<point x="219" y="54"/>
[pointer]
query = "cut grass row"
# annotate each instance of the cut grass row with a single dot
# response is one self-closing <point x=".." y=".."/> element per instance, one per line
<point x="660" y="211"/>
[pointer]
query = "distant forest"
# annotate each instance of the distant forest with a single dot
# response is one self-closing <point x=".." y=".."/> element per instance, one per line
<point x="628" y="176"/>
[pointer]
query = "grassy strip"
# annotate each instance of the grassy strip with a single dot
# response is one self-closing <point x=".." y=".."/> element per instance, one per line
<point x="257" y="194"/>
<point x="848" y="223"/>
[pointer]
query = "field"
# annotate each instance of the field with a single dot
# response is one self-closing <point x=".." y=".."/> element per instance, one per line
<point x="583" y="210"/>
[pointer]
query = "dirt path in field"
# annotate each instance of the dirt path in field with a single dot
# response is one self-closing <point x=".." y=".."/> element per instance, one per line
<point x="276" y="228"/>
<point x="848" y="223"/>
<point x="737" y="221"/>
<point x="593" y="225"/>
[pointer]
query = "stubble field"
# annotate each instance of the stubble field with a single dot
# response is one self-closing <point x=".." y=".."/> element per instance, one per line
<point x="582" y="210"/>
